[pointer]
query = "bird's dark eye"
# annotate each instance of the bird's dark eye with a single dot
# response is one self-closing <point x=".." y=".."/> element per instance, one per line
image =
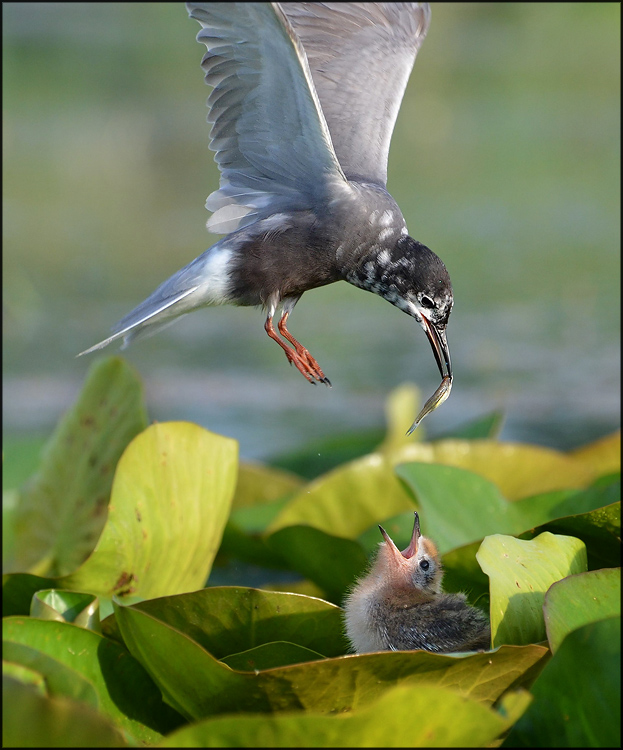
<point x="424" y="564"/>
<point x="427" y="302"/>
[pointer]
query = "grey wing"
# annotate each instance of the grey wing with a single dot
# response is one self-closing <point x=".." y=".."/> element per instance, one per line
<point x="272" y="143"/>
<point x="361" y="56"/>
<point x="445" y="626"/>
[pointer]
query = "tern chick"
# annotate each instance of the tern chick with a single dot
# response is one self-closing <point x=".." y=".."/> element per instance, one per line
<point x="399" y="605"/>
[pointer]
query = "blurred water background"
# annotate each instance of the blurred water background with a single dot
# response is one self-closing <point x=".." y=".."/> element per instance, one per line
<point x="505" y="160"/>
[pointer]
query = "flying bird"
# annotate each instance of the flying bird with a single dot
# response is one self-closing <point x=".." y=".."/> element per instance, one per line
<point x="400" y="606"/>
<point x="304" y="101"/>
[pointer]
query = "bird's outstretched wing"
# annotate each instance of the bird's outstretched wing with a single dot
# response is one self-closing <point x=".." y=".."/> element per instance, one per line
<point x="360" y="56"/>
<point x="272" y="143"/>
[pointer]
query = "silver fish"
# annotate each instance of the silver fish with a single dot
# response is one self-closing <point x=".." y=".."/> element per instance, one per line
<point x="438" y="397"/>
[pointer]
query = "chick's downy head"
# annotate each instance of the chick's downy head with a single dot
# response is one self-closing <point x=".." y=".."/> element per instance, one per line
<point x="418" y="566"/>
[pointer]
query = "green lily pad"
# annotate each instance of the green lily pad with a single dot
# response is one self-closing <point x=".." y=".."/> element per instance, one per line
<point x="329" y="561"/>
<point x="520" y="572"/>
<point x="67" y="606"/>
<point x="270" y="655"/>
<point x="60" y="679"/>
<point x="33" y="720"/>
<point x="170" y="501"/>
<point x="230" y="619"/>
<point x="198" y="686"/>
<point x="599" y="529"/>
<point x="518" y="470"/>
<point x="398" y="718"/>
<point x="348" y="500"/>
<point x="459" y="507"/>
<point x="124" y="691"/>
<point x="62" y="510"/>
<point x="577" y="697"/>
<point x="580" y="599"/>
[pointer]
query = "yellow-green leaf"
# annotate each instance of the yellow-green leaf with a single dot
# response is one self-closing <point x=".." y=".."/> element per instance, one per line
<point x="169" y="504"/>
<point x="578" y="600"/>
<point x="601" y="457"/>
<point x="398" y="718"/>
<point x="61" y="511"/>
<point x="520" y="572"/>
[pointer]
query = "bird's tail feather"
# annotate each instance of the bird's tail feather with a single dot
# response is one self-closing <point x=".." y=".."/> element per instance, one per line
<point x="148" y="318"/>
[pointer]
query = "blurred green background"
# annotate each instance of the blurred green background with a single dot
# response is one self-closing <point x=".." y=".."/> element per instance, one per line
<point x="505" y="160"/>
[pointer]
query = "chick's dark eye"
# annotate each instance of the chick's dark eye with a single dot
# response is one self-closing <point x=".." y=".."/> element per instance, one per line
<point x="427" y="302"/>
<point x="424" y="564"/>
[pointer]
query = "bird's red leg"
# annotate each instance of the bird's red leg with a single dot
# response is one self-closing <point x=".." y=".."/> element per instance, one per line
<point x="310" y="363"/>
<point x="299" y="356"/>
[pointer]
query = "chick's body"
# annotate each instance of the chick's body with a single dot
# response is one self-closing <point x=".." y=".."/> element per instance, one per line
<point x="399" y="605"/>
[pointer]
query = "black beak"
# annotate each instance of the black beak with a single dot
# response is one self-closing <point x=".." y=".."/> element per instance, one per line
<point x="439" y="344"/>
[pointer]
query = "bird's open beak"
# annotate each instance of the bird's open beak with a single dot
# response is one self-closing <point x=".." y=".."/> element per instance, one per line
<point x="437" y="336"/>
<point x="415" y="538"/>
<point x="439" y="344"/>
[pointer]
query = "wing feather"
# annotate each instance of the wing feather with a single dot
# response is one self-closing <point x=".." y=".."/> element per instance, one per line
<point x="272" y="143"/>
<point x="360" y="56"/>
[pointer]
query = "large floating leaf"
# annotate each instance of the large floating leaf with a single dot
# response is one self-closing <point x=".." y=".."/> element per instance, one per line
<point x="170" y="501"/>
<point x="601" y="457"/>
<point x="579" y="600"/>
<point x="230" y="619"/>
<point x="124" y="691"/>
<point x="60" y="679"/>
<point x="270" y="655"/>
<point x="348" y="500"/>
<point x="577" y="698"/>
<point x="599" y="529"/>
<point x="458" y="507"/>
<point x="32" y="720"/>
<point x="62" y="510"/>
<point x="198" y="685"/>
<point x="399" y="718"/>
<point x="519" y="470"/>
<point x="520" y="572"/>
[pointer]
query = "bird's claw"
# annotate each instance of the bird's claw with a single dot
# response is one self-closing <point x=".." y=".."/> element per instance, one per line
<point x="307" y="366"/>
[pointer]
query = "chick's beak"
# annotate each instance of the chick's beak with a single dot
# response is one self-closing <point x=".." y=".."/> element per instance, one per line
<point x="395" y="555"/>
<point x="415" y="538"/>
